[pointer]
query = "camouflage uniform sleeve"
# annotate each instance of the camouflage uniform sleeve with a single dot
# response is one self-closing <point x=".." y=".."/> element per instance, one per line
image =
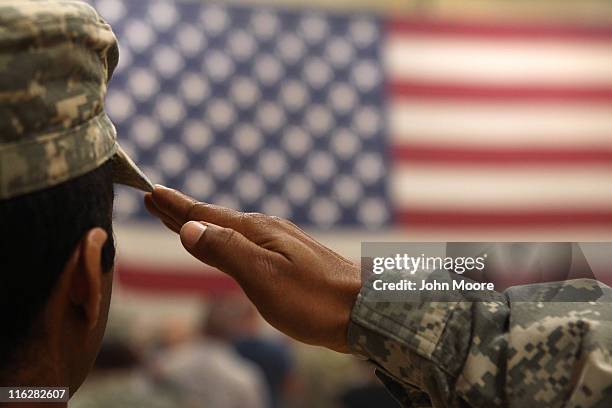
<point x="501" y="352"/>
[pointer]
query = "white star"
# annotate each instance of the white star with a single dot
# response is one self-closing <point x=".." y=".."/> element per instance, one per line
<point x="268" y="69"/>
<point x="265" y="24"/>
<point x="218" y="65"/>
<point x="369" y="167"/>
<point x="298" y="188"/>
<point x="274" y="205"/>
<point x="272" y="164"/>
<point x="163" y="14"/>
<point x="244" y="92"/>
<point x="139" y="35"/>
<point x="199" y="184"/>
<point x="194" y="88"/>
<point x="296" y="141"/>
<point x="339" y="52"/>
<point x="249" y="186"/>
<point x="169" y="110"/>
<point x="247" y="139"/>
<point x="294" y="94"/>
<point x="347" y="190"/>
<point x="324" y="211"/>
<point x="119" y="105"/>
<point x="220" y="113"/>
<point x="290" y="48"/>
<point x="319" y="120"/>
<point x="111" y="10"/>
<point x="321" y="166"/>
<point x="367" y="121"/>
<point x="241" y="44"/>
<point x="366" y="75"/>
<point x="167" y="61"/>
<point x="313" y="28"/>
<point x="373" y="212"/>
<point x="317" y="73"/>
<point x="363" y="32"/>
<point x="196" y="135"/>
<point x="142" y="83"/>
<point x="222" y="162"/>
<point x="145" y="131"/>
<point x="190" y="40"/>
<point x="214" y="19"/>
<point x="172" y="158"/>
<point x="342" y="97"/>
<point x="270" y="116"/>
<point x="345" y="143"/>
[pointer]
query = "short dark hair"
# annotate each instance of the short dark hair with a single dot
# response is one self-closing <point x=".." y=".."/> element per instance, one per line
<point x="38" y="233"/>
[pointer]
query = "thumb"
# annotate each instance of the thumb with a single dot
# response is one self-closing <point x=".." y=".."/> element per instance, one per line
<point x="223" y="248"/>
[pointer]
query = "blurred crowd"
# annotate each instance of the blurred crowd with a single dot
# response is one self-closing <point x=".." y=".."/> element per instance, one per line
<point x="231" y="359"/>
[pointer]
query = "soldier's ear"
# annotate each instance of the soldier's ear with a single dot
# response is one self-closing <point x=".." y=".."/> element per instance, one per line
<point x="85" y="281"/>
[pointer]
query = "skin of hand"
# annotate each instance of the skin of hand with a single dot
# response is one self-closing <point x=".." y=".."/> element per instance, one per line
<point x="299" y="286"/>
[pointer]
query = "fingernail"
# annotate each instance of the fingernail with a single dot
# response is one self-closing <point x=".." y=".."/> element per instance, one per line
<point x="191" y="233"/>
<point x="160" y="187"/>
<point x="99" y="236"/>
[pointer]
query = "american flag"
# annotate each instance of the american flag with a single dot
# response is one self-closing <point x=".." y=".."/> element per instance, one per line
<point x="360" y="127"/>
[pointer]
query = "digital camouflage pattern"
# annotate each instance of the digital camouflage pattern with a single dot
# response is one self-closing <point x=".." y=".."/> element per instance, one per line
<point x="503" y="352"/>
<point x="56" y="57"/>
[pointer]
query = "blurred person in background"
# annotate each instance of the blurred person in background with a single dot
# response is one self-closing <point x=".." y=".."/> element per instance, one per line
<point x="273" y="356"/>
<point x="58" y="160"/>
<point x="119" y="379"/>
<point x="206" y="370"/>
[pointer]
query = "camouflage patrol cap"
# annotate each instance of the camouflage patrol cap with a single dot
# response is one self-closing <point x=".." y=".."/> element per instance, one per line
<point x="56" y="58"/>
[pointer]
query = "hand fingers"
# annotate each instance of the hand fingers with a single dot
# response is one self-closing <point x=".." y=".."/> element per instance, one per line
<point x="156" y="212"/>
<point x="171" y="203"/>
<point x="182" y="208"/>
<point x="152" y="208"/>
<point x="172" y="226"/>
<point x="176" y="208"/>
<point x="228" y="250"/>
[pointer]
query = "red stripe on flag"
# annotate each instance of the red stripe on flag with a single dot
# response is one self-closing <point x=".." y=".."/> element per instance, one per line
<point x="452" y="156"/>
<point x="422" y="90"/>
<point x="499" y="31"/>
<point x="172" y="280"/>
<point x="506" y="219"/>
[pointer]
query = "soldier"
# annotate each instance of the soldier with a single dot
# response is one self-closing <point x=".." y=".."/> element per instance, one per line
<point x="494" y="350"/>
<point x="58" y="160"/>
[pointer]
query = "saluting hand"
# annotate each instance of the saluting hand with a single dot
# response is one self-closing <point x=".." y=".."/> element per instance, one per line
<point x="299" y="286"/>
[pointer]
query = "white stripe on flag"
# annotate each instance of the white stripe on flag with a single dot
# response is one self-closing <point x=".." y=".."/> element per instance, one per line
<point x="501" y="188"/>
<point x="446" y="123"/>
<point x="505" y="62"/>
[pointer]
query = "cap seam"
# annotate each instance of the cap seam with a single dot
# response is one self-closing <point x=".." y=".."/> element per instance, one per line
<point x="87" y="165"/>
<point x="33" y="138"/>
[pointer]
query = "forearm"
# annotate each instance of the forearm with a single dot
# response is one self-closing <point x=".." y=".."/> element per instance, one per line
<point x="429" y="345"/>
<point x="495" y="351"/>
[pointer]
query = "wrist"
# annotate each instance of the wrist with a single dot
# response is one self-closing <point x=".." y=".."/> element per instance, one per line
<point x="350" y="291"/>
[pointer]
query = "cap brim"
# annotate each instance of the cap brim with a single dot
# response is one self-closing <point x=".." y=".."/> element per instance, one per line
<point x="126" y="172"/>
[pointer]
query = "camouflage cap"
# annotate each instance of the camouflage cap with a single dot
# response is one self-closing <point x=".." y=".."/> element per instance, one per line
<point x="56" y="58"/>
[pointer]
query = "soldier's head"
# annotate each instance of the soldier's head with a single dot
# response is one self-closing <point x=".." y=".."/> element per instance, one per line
<point x="58" y="161"/>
